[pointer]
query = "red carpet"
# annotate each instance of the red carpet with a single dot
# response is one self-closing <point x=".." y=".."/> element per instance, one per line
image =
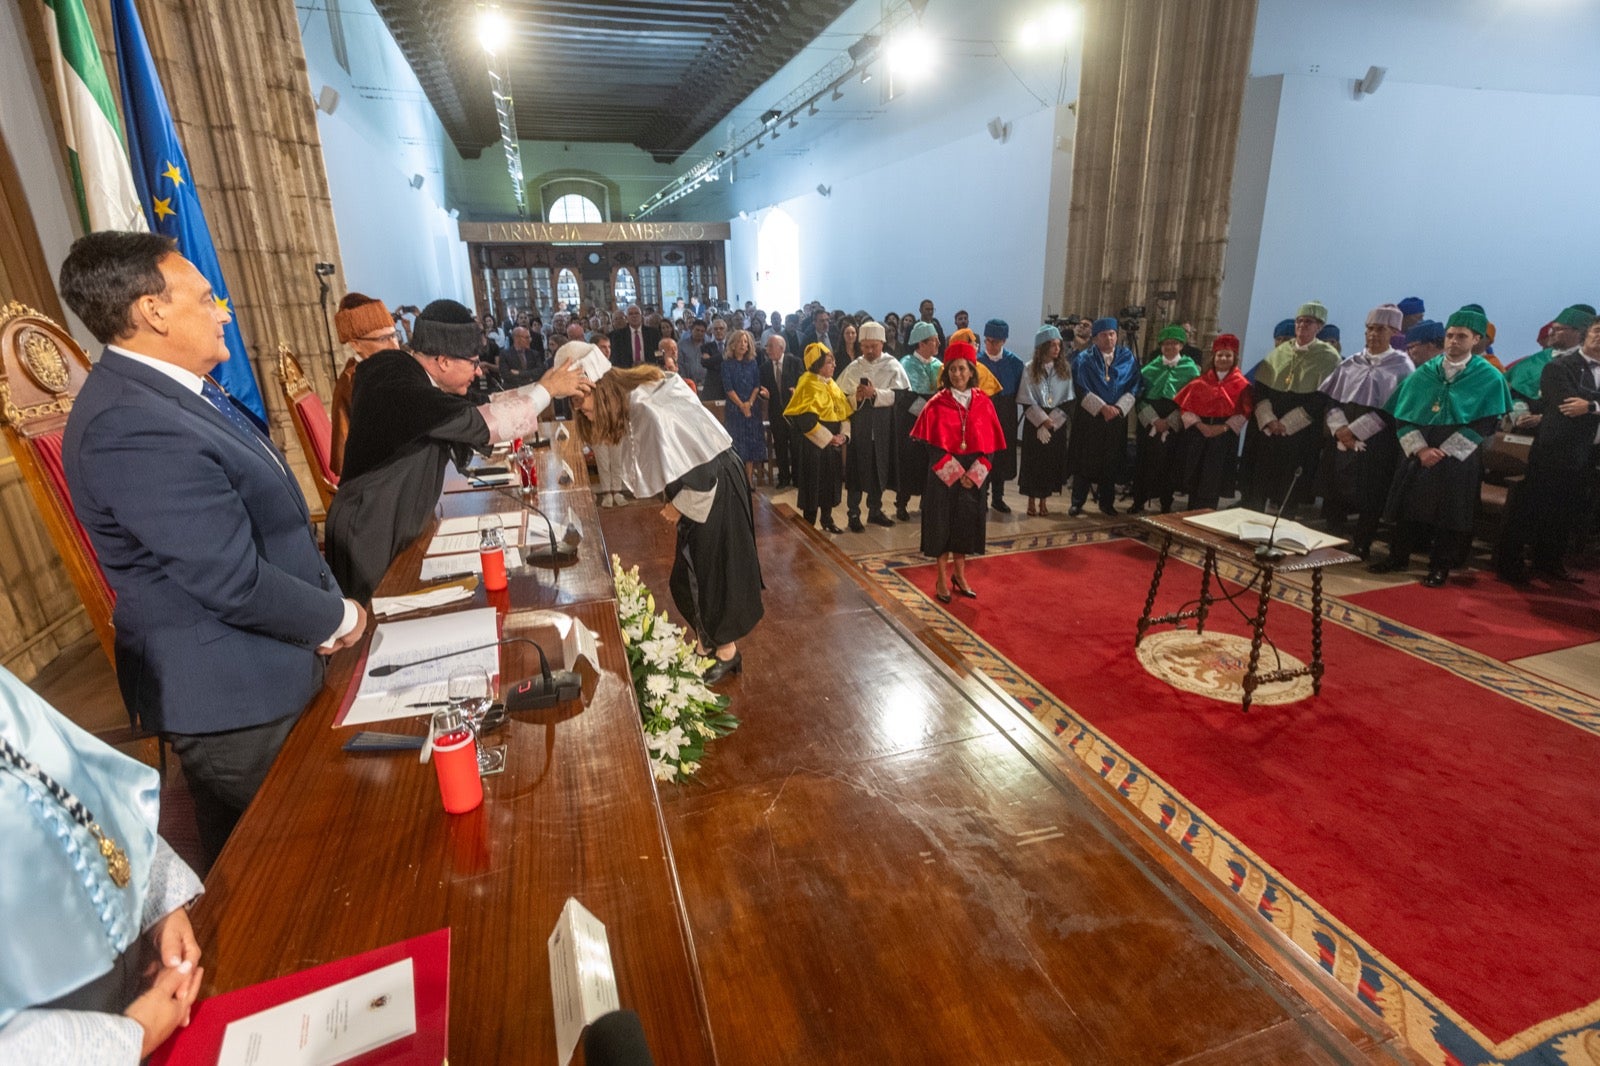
<point x="1502" y="621"/>
<point x="1455" y="830"/>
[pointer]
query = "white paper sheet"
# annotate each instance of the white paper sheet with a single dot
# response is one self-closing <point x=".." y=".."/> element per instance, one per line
<point x="329" y="1026"/>
<point x="457" y="543"/>
<point x="583" y="984"/>
<point x="383" y="698"/>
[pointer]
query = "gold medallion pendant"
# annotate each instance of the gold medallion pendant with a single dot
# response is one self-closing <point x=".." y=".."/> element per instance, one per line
<point x="116" y="859"/>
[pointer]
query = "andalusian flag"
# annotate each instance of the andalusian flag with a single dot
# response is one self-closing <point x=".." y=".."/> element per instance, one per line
<point x="99" y="164"/>
<point x="161" y="174"/>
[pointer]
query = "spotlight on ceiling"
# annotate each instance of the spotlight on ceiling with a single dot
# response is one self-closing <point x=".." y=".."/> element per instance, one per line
<point x="862" y="51"/>
<point x="416" y="181"/>
<point x="1369" y="84"/>
<point x="838" y="93"/>
<point x="825" y="190"/>
<point x="1053" y="27"/>
<point x="491" y="30"/>
<point x="812" y="109"/>
<point x="769" y="117"/>
<point x="866" y="76"/>
<point x="911" y="54"/>
<point x="792" y="122"/>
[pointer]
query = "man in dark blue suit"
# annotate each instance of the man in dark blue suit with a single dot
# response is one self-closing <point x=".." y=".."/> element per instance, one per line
<point x="224" y="604"/>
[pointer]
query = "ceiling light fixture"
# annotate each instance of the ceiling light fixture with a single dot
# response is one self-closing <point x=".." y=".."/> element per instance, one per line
<point x="838" y="93"/>
<point x="770" y="116"/>
<point x="491" y="29"/>
<point x="866" y="76"/>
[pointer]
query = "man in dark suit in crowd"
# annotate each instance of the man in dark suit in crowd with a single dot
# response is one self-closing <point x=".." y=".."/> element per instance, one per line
<point x="635" y="343"/>
<point x="780" y="373"/>
<point x="1550" y="503"/>
<point x="225" y="606"/>
<point x="520" y="364"/>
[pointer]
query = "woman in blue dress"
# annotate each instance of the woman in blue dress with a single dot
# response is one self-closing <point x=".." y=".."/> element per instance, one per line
<point x="741" y="377"/>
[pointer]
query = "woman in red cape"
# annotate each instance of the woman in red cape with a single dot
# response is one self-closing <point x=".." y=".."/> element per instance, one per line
<point x="962" y="430"/>
<point x="1214" y="407"/>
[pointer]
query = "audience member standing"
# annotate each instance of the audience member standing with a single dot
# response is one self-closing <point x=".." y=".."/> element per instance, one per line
<point x="962" y="434"/>
<point x="1106" y="378"/>
<point x="922" y="367"/>
<point x="635" y="343"/>
<point x="872" y="382"/>
<point x="780" y="373"/>
<point x="741" y="380"/>
<point x="819" y="414"/>
<point x="1359" y="467"/>
<point x="1214" y="408"/>
<point x="1444" y="411"/>
<point x="1548" y="507"/>
<point x="1158" y="465"/>
<point x="1007" y="369"/>
<point x="1288" y="414"/>
<point x="1046" y="398"/>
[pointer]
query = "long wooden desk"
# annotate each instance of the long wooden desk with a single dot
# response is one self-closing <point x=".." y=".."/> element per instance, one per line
<point x="341" y="853"/>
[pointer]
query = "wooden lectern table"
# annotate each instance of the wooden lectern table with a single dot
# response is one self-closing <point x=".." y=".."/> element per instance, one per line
<point x="342" y="853"/>
<point x="1172" y="527"/>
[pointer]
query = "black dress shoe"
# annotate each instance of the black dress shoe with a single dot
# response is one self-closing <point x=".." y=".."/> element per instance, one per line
<point x="881" y="519"/>
<point x="1108" y="510"/>
<point x="723" y="667"/>
<point x="828" y="526"/>
<point x="1075" y="510"/>
<point x="964" y="588"/>
<point x="942" y="597"/>
<point x="856" y="526"/>
<point x="1436" y="579"/>
<point x="1362" y="551"/>
<point x="1390" y="565"/>
<point x="902" y="514"/>
<point x="1002" y="506"/>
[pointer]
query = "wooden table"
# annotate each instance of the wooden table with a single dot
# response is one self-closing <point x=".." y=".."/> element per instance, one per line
<point x="342" y="853"/>
<point x="1172" y="527"/>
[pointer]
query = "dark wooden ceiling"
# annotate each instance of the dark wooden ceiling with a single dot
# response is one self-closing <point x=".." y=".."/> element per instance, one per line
<point x="651" y="73"/>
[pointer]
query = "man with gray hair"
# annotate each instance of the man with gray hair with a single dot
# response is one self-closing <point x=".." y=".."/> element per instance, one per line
<point x="780" y="373"/>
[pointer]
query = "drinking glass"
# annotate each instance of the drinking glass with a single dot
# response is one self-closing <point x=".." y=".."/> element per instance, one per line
<point x="468" y="692"/>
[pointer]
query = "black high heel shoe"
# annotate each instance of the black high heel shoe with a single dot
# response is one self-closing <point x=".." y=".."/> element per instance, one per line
<point x="723" y="667"/>
<point x="962" y="587"/>
<point x="942" y="597"/>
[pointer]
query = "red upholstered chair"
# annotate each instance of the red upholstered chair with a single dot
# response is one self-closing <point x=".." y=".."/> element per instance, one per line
<point x="311" y="423"/>
<point x="41" y="371"/>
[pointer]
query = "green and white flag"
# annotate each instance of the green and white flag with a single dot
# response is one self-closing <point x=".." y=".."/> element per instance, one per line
<point x="101" y="177"/>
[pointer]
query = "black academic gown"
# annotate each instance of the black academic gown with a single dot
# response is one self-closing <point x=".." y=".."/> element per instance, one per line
<point x="911" y="455"/>
<point x="1209" y="464"/>
<point x="716" y="572"/>
<point x="1158" y="460"/>
<point x="954" y="517"/>
<point x="869" y="462"/>
<point x="1275" y="459"/>
<point x="821" y="473"/>
<point x="1445" y="495"/>
<point x="403" y="430"/>
<point x="1359" y="481"/>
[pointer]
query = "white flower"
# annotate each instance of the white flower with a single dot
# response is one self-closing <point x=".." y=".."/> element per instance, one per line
<point x="664" y="771"/>
<point x="658" y="685"/>
<point x="668" y="743"/>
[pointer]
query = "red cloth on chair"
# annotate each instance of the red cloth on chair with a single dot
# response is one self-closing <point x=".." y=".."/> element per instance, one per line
<point x="47" y="448"/>
<point x="314" y="420"/>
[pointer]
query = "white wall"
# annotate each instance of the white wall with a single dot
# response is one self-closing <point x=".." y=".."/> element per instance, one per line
<point x="1454" y="195"/>
<point x="35" y="149"/>
<point x="964" y="224"/>
<point x="396" y="243"/>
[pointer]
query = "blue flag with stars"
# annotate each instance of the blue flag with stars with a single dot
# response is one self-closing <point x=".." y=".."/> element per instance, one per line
<point x="161" y="175"/>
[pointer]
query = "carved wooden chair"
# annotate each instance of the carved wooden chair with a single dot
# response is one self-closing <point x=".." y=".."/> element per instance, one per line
<point x="41" y="371"/>
<point x="311" y="423"/>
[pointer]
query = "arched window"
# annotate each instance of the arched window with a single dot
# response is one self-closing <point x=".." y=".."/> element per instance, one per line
<point x="574" y="207"/>
<point x="568" y="295"/>
<point x="626" y="290"/>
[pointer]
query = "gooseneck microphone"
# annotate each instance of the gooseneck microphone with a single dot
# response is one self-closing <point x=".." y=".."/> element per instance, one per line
<point x="616" y="1039"/>
<point x="1270" y="552"/>
<point x="557" y="552"/>
<point x="548" y="689"/>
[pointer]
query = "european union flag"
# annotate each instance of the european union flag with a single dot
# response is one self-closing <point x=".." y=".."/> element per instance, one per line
<point x="161" y="174"/>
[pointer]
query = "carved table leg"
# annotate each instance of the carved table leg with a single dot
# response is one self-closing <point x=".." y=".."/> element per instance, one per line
<point x="1258" y="629"/>
<point x="1316" y="631"/>
<point x="1205" y="589"/>
<point x="1155" y="584"/>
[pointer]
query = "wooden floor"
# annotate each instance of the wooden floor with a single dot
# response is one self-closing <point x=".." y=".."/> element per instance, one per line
<point x="887" y="863"/>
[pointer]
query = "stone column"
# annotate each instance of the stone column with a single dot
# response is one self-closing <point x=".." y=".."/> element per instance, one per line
<point x="1158" y="125"/>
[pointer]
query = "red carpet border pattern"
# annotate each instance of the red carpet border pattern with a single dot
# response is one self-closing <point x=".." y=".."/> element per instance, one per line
<point x="1429" y="1027"/>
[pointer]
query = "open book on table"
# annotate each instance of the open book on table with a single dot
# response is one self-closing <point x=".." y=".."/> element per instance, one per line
<point x="1254" y="527"/>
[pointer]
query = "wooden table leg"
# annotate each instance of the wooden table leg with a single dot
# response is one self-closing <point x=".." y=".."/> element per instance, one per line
<point x="1209" y="569"/>
<point x="1155" y="584"/>
<point x="1258" y="629"/>
<point x="1316" y="631"/>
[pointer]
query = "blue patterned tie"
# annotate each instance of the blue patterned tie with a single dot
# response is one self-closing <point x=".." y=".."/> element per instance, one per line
<point x="236" y="418"/>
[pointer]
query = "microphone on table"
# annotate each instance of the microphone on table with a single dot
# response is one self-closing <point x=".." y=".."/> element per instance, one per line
<point x="1270" y="552"/>
<point x="548" y="689"/>
<point x="554" y="552"/>
<point x="616" y="1039"/>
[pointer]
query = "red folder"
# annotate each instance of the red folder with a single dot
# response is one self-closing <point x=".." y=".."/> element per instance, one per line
<point x="201" y="1042"/>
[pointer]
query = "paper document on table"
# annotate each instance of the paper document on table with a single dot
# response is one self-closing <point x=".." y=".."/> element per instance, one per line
<point x="439" y="567"/>
<point x="1254" y="527"/>
<point x="456" y="543"/>
<point x="578" y="641"/>
<point x="583" y="983"/>
<point x="392" y="695"/>
<point x="328" y="1026"/>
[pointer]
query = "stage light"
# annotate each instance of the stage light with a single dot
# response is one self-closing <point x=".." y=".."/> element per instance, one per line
<point x="866" y="76"/>
<point x="491" y="30"/>
<point x="912" y="54"/>
<point x="838" y="94"/>
<point x="769" y="117"/>
<point x="1054" y="26"/>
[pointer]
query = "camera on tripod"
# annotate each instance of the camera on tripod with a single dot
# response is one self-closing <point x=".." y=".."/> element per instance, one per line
<point x="324" y="270"/>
